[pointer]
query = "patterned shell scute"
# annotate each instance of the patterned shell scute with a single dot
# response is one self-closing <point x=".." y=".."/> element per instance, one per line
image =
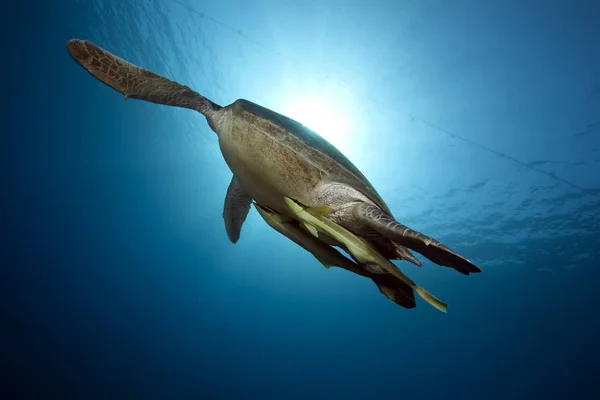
<point x="313" y="140"/>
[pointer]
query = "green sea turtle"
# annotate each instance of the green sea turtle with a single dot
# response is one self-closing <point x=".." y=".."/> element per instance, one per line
<point x="301" y="185"/>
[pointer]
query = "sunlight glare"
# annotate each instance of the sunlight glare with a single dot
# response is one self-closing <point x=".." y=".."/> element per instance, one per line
<point x="324" y="118"/>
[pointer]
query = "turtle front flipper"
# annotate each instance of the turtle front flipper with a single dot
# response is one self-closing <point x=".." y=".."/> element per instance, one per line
<point x="235" y="210"/>
<point x="390" y="286"/>
<point x="136" y="82"/>
<point x="388" y="227"/>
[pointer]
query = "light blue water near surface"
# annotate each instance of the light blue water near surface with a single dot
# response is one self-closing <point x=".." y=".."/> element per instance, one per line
<point x="478" y="122"/>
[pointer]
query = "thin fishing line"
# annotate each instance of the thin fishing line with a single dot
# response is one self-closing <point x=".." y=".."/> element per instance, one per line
<point x="229" y="28"/>
<point x="413" y="117"/>
<point x="498" y="153"/>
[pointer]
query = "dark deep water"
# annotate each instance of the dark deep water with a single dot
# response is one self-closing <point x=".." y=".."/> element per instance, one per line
<point x="118" y="280"/>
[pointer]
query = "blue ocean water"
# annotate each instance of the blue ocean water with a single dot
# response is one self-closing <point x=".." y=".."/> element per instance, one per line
<point x="477" y="121"/>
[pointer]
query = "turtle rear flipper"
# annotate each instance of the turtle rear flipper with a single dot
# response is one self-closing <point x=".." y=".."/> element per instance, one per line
<point x="358" y="247"/>
<point x="387" y="226"/>
<point x="390" y="286"/>
<point x="395" y="290"/>
<point x="136" y="82"/>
